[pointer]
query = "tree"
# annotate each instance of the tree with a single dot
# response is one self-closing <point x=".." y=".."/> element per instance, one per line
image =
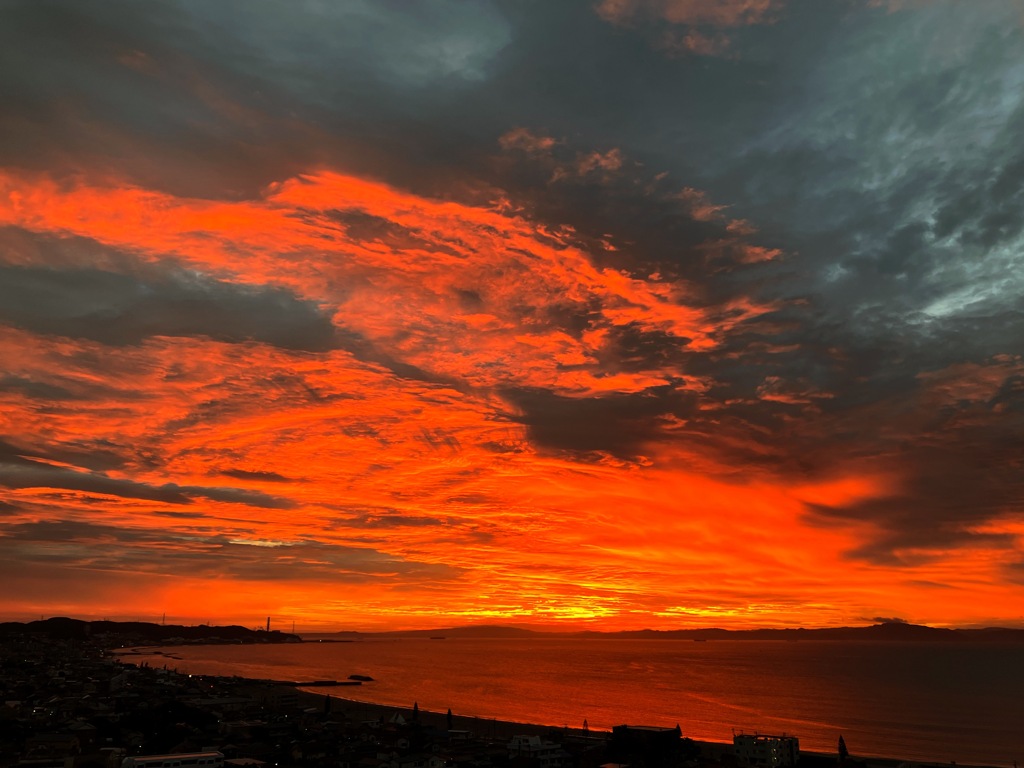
<point x="843" y="751"/>
<point x="448" y="717"/>
<point x="415" y="711"/>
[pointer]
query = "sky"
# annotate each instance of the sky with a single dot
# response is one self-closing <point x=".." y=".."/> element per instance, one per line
<point x="609" y="314"/>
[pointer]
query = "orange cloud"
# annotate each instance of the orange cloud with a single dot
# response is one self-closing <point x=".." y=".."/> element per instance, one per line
<point x="718" y="13"/>
<point x="436" y="254"/>
<point x="698" y="27"/>
<point x="394" y="480"/>
<point x="525" y="140"/>
<point x="699" y="206"/>
<point x="593" y="164"/>
<point x="596" y="162"/>
<point x="970" y="382"/>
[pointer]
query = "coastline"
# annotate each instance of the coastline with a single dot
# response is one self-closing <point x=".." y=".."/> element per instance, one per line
<point x="504" y="730"/>
<point x="499" y="730"/>
<point x="483" y="727"/>
<point x="358" y="710"/>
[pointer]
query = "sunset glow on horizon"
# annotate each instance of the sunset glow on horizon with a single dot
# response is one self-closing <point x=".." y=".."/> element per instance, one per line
<point x="368" y="340"/>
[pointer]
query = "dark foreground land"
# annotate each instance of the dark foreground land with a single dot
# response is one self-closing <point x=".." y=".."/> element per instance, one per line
<point x="68" y="702"/>
<point x="121" y="633"/>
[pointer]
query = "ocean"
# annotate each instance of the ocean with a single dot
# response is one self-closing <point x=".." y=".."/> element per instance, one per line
<point x="940" y="702"/>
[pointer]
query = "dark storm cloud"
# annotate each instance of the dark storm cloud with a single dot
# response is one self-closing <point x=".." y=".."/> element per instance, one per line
<point x="32" y="475"/>
<point x="632" y="348"/>
<point x="651" y="224"/>
<point x="229" y="92"/>
<point x="617" y="424"/>
<point x="35" y="390"/>
<point x="270" y="477"/>
<point x="893" y="171"/>
<point x="71" y="544"/>
<point x="220" y="99"/>
<point x="19" y="470"/>
<point x="118" y="309"/>
<point x="394" y="520"/>
<point x="957" y="440"/>
<point x="956" y="479"/>
<point x="100" y="455"/>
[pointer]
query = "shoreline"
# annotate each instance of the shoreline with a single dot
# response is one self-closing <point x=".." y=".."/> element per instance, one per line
<point x="497" y="729"/>
<point x="506" y="729"/>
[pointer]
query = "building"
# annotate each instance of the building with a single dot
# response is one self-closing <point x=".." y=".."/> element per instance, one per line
<point x="765" y="751"/>
<point x="650" y="745"/>
<point x="547" y="754"/>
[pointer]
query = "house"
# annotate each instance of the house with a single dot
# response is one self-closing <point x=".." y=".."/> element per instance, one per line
<point x="546" y="754"/>
<point x="766" y="751"/>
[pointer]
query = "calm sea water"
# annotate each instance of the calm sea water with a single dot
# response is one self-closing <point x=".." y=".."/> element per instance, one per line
<point x="928" y="702"/>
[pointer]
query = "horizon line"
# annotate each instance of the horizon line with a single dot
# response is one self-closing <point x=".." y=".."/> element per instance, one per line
<point x="531" y="628"/>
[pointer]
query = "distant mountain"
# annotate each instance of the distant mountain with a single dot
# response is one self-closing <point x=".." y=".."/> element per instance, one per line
<point x="140" y="632"/>
<point x="473" y="630"/>
<point x="890" y="631"/>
